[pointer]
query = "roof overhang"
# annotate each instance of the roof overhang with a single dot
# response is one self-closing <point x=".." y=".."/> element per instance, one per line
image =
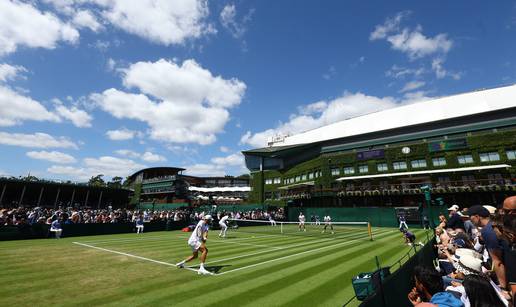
<point x="297" y="185"/>
<point x="220" y="189"/>
<point x="427" y="172"/>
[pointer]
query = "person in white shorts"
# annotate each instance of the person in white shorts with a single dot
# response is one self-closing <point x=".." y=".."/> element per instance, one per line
<point x="139" y="224"/>
<point x="327" y="222"/>
<point x="302" y="220"/>
<point x="56" y="228"/>
<point x="223" y="226"/>
<point x="197" y="242"/>
<point x="271" y="220"/>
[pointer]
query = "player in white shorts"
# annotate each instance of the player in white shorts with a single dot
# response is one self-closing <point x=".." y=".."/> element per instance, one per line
<point x="327" y="222"/>
<point x="302" y="220"/>
<point x="223" y="226"/>
<point x="197" y="242"/>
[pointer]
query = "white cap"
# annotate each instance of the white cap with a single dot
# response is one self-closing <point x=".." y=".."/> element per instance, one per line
<point x="469" y="265"/>
<point x="454" y="208"/>
<point x="491" y="209"/>
<point x="208" y="217"/>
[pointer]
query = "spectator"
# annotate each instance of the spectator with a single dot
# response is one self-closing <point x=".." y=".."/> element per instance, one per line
<point x="480" y="217"/>
<point x="455" y="222"/>
<point x="480" y="292"/>
<point x="429" y="288"/>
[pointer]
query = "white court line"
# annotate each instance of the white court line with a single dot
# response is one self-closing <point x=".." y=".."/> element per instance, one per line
<point x="163" y="237"/>
<point x="131" y="255"/>
<point x="297" y="254"/>
<point x="284" y="248"/>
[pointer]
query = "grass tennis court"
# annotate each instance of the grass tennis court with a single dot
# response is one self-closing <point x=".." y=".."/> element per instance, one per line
<point x="252" y="268"/>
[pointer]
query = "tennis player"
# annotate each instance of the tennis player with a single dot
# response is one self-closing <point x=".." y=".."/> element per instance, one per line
<point x="197" y="242"/>
<point x="223" y="226"/>
<point x="327" y="222"/>
<point x="302" y="220"/>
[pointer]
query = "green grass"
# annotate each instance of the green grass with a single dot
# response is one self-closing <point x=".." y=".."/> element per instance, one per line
<point x="255" y="267"/>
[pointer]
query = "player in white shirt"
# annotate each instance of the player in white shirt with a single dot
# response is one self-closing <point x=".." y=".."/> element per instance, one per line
<point x="223" y="226"/>
<point x="197" y="242"/>
<point x="327" y="222"/>
<point x="302" y="220"/>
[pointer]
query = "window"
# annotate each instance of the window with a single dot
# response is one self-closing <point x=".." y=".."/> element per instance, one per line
<point x="418" y="163"/>
<point x="489" y="156"/>
<point x="277" y="180"/>
<point x="310" y="175"/>
<point x="495" y="178"/>
<point x="268" y="195"/>
<point x="440" y="161"/>
<point x="465" y="159"/>
<point x="298" y="178"/>
<point x="268" y="181"/>
<point x="382" y="167"/>
<point x="511" y="154"/>
<point x="363" y="169"/>
<point x="335" y="171"/>
<point x="399" y="165"/>
<point x="349" y="170"/>
<point x="303" y="177"/>
<point x="444" y="180"/>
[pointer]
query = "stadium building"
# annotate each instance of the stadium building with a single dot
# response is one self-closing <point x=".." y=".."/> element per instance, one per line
<point x="51" y="194"/>
<point x="168" y="187"/>
<point x="462" y="148"/>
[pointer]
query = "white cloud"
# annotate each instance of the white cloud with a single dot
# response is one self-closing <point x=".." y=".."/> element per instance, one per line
<point x="236" y="159"/>
<point x="86" y="19"/>
<point x="121" y="134"/>
<point x="16" y="108"/>
<point x="224" y="149"/>
<point x="220" y="166"/>
<point x="36" y="140"/>
<point x="151" y="157"/>
<point x="146" y="156"/>
<point x="324" y="113"/>
<point x="106" y="165"/>
<point x="412" y="85"/>
<point x="52" y="156"/>
<point x="228" y="20"/>
<point x="22" y="24"/>
<point x="78" y="117"/>
<point x="398" y="72"/>
<point x="202" y="169"/>
<point x="9" y="72"/>
<point x="441" y="72"/>
<point x="332" y="72"/>
<point x="180" y="103"/>
<point x="165" y="22"/>
<point x="111" y="64"/>
<point x="410" y="41"/>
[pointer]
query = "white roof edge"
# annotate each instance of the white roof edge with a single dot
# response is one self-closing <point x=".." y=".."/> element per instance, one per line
<point x="458" y="105"/>
<point x="220" y="189"/>
<point x="446" y="170"/>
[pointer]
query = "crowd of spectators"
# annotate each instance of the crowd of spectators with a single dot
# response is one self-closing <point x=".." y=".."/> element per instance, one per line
<point x="476" y="264"/>
<point x="29" y="216"/>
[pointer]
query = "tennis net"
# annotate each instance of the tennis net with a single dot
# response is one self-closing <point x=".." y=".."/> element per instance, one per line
<point x="294" y="228"/>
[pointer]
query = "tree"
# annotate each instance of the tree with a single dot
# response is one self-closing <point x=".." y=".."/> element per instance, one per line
<point x="116" y="182"/>
<point x="97" y="181"/>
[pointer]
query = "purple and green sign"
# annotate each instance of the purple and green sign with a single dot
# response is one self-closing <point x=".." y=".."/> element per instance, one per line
<point x="447" y="145"/>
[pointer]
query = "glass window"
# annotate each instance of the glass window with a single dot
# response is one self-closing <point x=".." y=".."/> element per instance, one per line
<point x="298" y="178"/>
<point x="511" y="154"/>
<point x="399" y="165"/>
<point x="268" y="181"/>
<point x="363" y="169"/>
<point x="335" y="171"/>
<point x="440" y="161"/>
<point x="277" y="180"/>
<point x="349" y="170"/>
<point x="382" y="167"/>
<point x="489" y="156"/>
<point x="465" y="159"/>
<point x="303" y="177"/>
<point x="418" y="163"/>
<point x="468" y="179"/>
<point x="310" y="175"/>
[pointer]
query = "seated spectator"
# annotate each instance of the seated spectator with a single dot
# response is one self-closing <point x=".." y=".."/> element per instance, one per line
<point x="429" y="288"/>
<point x="479" y="292"/>
<point x="455" y="221"/>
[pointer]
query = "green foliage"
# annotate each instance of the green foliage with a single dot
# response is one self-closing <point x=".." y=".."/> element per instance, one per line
<point x="135" y="200"/>
<point x="97" y="181"/>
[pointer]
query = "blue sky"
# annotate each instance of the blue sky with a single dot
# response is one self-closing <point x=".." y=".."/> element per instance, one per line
<point x="111" y="86"/>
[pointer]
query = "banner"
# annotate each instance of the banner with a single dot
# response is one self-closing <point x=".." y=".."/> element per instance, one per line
<point x="447" y="145"/>
<point x="371" y="154"/>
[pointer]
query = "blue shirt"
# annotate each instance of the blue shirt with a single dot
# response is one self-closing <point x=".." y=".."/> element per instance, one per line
<point x="56" y="224"/>
<point x="491" y="242"/>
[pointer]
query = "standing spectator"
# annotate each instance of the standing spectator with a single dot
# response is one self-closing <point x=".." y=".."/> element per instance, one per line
<point x="480" y="218"/>
<point x="509" y="251"/>
<point x="426" y="222"/>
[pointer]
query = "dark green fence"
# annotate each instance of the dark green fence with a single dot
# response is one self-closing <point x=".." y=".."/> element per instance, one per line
<point x="378" y="217"/>
<point x="38" y="231"/>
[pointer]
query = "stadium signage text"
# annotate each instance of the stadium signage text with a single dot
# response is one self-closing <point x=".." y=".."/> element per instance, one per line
<point x="371" y="154"/>
<point x="447" y="145"/>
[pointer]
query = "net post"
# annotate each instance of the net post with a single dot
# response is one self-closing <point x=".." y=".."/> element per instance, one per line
<point x="369" y="231"/>
<point x="281" y="227"/>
